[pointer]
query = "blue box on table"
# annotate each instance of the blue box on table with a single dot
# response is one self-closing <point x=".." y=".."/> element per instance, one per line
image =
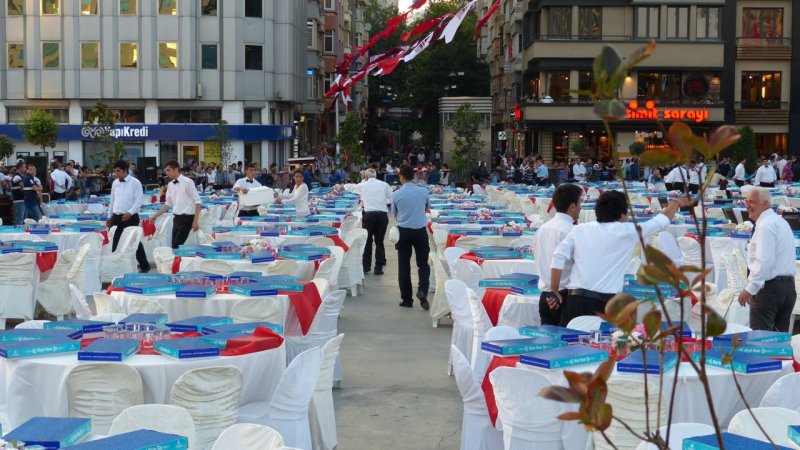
<point x="7" y="250"/>
<point x="191" y="250"/>
<point x="253" y="289"/>
<point x="245" y="327"/>
<point x="503" y="282"/>
<point x="756" y="336"/>
<point x="116" y="350"/>
<point x="219" y="255"/>
<point x="196" y="291"/>
<point x="521" y="345"/>
<point x="155" y="319"/>
<point x="238" y="275"/>
<point x="147" y="277"/>
<point x="153" y="288"/>
<point x="186" y="348"/>
<point x="731" y="441"/>
<point x="302" y="255"/>
<point x="686" y="331"/>
<point x="51" y="432"/>
<point x="648" y="362"/>
<point x="260" y="257"/>
<point x="553" y="332"/>
<point x="526" y="290"/>
<point x="36" y="246"/>
<point x="137" y="440"/>
<point x="223" y="244"/>
<point x="533" y="280"/>
<point x="197" y="323"/>
<point x="78" y="327"/>
<point x="742" y="362"/>
<point x="607" y="328"/>
<point x="498" y="254"/>
<point x="558" y="358"/>
<point x="794" y="434"/>
<point x="200" y="274"/>
<point x="38" y="347"/>
<point x="29" y="334"/>
<point x="269" y="233"/>
<point x="767" y="349"/>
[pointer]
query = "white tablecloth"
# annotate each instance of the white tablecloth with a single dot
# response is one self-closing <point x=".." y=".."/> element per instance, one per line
<point x="64" y="239"/>
<point x="242" y="238"/>
<point x="37" y="386"/>
<point x="495" y="268"/>
<point x="305" y="268"/>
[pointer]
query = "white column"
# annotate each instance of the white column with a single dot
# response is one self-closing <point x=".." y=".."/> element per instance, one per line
<point x="151" y="118"/>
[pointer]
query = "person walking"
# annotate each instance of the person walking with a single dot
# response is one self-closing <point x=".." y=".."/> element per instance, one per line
<point x="184" y="200"/>
<point x="375" y="195"/>
<point x="567" y="201"/>
<point x="17" y="188"/>
<point x="765" y="175"/>
<point x="739" y="173"/>
<point x="297" y="196"/>
<point x="243" y="185"/>
<point x="409" y="205"/>
<point x="770" y="290"/>
<point x="123" y="208"/>
<point x="30" y="191"/>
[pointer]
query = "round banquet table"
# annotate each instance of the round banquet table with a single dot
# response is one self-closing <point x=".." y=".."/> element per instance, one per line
<point x="37" y="386"/>
<point x="495" y="268"/>
<point x="503" y="241"/>
<point x="68" y="208"/>
<point x="242" y="238"/>
<point x="192" y="263"/>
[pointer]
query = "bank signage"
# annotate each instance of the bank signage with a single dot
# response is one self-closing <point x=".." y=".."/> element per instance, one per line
<point x="650" y="112"/>
<point x="163" y="132"/>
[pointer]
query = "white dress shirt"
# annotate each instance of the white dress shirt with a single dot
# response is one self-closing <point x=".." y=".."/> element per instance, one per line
<point x="375" y="194"/>
<point x="739" y="173"/>
<point x="764" y="174"/>
<point x="61" y="180"/>
<point x="182" y="196"/>
<point x="547" y="239"/>
<point x="768" y="255"/>
<point x="600" y="252"/>
<point x="698" y="174"/>
<point x="677" y="175"/>
<point x="247" y="184"/>
<point x="780" y="164"/>
<point x="212" y="177"/>
<point x="126" y="196"/>
<point x="579" y="172"/>
<point x="299" y="198"/>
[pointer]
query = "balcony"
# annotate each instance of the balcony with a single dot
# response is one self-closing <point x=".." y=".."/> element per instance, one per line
<point x="762" y="113"/>
<point x="577" y="109"/>
<point x="763" y="48"/>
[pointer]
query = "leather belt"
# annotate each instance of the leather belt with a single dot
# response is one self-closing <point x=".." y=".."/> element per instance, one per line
<point x="590" y="294"/>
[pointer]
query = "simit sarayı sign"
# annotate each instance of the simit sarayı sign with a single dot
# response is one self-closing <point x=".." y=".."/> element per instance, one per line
<point x="650" y="112"/>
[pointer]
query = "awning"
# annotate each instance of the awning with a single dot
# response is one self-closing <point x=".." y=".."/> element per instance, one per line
<point x="560" y="64"/>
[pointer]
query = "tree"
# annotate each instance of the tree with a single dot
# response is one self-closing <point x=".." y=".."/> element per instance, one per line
<point x="465" y="124"/>
<point x="6" y="146"/>
<point x="40" y="129"/>
<point x="636" y="148"/>
<point x="579" y="147"/>
<point x="746" y="148"/>
<point x="350" y="137"/>
<point x="100" y="123"/>
<point x="221" y="143"/>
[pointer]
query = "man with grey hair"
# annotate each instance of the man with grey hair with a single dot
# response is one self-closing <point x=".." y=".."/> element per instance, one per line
<point x="771" y="262"/>
<point x="375" y="196"/>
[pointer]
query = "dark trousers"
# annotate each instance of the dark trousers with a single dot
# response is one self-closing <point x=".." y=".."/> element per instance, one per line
<point x="415" y="239"/>
<point x="181" y="226"/>
<point x="769" y="185"/>
<point x="251" y="213"/>
<point x="772" y="306"/>
<point x="375" y="222"/>
<point x="57" y="195"/>
<point x="582" y="305"/>
<point x="739" y="183"/>
<point x="116" y="220"/>
<point x="678" y="187"/>
<point x="694" y="188"/>
<point x="550" y="316"/>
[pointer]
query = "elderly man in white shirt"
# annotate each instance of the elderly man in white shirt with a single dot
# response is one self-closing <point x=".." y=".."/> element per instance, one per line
<point x="765" y="175"/>
<point x="770" y="290"/>
<point x="245" y="184"/>
<point x="184" y="200"/>
<point x="567" y="202"/>
<point x="375" y="195"/>
<point x="123" y="208"/>
<point x="61" y="182"/>
<point x="599" y="252"/>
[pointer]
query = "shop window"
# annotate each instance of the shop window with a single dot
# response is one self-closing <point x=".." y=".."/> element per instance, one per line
<point x="121" y="115"/>
<point x="167" y="151"/>
<point x="769" y="143"/>
<point x="560" y="146"/>
<point x="558" y="85"/>
<point x="190" y="115"/>
<point x="96" y="153"/>
<point x="560" y="22"/>
<point x="252" y="115"/>
<point x="252" y="153"/>
<point x="585" y="83"/>
<point x="590" y="22"/>
<point x="660" y="86"/>
<point x="761" y="89"/>
<point x="19" y="115"/>
<point x="762" y="24"/>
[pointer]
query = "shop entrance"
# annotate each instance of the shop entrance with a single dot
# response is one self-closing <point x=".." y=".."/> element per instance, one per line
<point x="191" y="152"/>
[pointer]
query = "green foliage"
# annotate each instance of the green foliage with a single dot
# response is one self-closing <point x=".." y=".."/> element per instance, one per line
<point x="579" y="147"/>
<point x="636" y="148"/>
<point x="223" y="143"/>
<point x="40" y="129"/>
<point x="465" y="124"/>
<point x="350" y="137"/>
<point x="101" y="122"/>
<point x="6" y="146"/>
<point x="746" y="148"/>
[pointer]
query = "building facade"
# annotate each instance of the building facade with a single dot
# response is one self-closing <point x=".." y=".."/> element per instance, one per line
<point x="169" y="70"/>
<point x="448" y="106"/>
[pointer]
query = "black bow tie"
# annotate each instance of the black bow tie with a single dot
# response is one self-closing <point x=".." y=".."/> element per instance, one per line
<point x="121" y="181"/>
<point x="175" y="182"/>
<point x="249" y="181"/>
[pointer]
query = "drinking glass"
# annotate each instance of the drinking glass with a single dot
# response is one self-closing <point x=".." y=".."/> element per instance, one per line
<point x="585" y="339"/>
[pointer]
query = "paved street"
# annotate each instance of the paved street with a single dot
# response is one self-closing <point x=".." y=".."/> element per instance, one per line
<point x="396" y="390"/>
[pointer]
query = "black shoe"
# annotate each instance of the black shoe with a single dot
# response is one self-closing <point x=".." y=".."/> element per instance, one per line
<point x="144" y="269"/>
<point x="424" y="304"/>
<point x="406" y="304"/>
<point x="421" y="295"/>
<point x="378" y="270"/>
<point x="367" y="269"/>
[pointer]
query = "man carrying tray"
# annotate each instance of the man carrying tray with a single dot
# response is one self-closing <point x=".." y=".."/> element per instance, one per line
<point x="243" y="185"/>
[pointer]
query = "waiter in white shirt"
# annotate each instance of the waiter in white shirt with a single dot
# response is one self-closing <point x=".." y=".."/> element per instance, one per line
<point x="676" y="179"/>
<point x="770" y="291"/>
<point x="61" y="182"/>
<point x="739" y="173"/>
<point x="245" y="184"/>
<point x="765" y="175"/>
<point x="375" y="195"/>
<point x="123" y="208"/>
<point x="600" y="251"/>
<point x="182" y="197"/>
<point x="579" y="171"/>
<point x="697" y="175"/>
<point x="567" y="201"/>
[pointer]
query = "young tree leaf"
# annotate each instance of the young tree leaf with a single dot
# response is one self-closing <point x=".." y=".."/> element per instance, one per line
<point x="610" y="109"/>
<point x="722" y="138"/>
<point x="715" y="324"/>
<point x="569" y="416"/>
<point x="652" y="322"/>
<point x="561" y="394"/>
<point x="603" y="417"/>
<point x="618" y="311"/>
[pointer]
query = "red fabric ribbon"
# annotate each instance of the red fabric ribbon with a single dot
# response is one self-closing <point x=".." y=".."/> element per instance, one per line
<point x="176" y="264"/>
<point x="469" y="256"/>
<point x="306" y="304"/>
<point x="46" y="261"/>
<point x="488" y="392"/>
<point x="262" y="339"/>
<point x="452" y="239"/>
<point x="104" y="233"/>
<point x="338" y="242"/>
<point x="485" y="18"/>
<point x="148" y="228"/>
<point x="493" y="299"/>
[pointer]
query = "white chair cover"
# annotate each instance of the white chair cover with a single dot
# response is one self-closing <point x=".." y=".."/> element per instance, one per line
<point x="477" y="432"/>
<point x="162" y="418"/>
<point x="585" y="323"/>
<point x="259" y="310"/>
<point x="53" y="293"/>
<point x="690" y="250"/>
<point x="337" y="254"/>
<point x="451" y="255"/>
<point x="102" y="391"/>
<point x="470" y="273"/>
<point x="478" y="190"/>
<point x="731" y="328"/>
<point x="320" y="241"/>
<point x="323" y="287"/>
<point x="211" y="395"/>
<point x="351" y="235"/>
<point x="351" y="273"/>
<point x="480" y="323"/>
<point x="164" y="231"/>
<point x="217" y="267"/>
<point x="229" y="219"/>
<point x="470" y="243"/>
<point x="18" y="279"/>
<point x="32" y="324"/>
<point x="439" y="306"/>
<point x="774" y="420"/>
<point x="87" y="274"/>
<point x="79" y="304"/>
<point x="325" y="272"/>
<point x="144" y="306"/>
<point x="483" y="358"/>
<point x="287" y="411"/>
<point x="669" y="246"/>
<point x="461" y="312"/>
<point x="720" y="248"/>
<point x="163" y="256"/>
<point x="528" y="420"/>
<point x="626" y="397"/>
<point x="282" y="267"/>
<point x="518" y="312"/>
<point x="347" y="225"/>
<point x="123" y="260"/>
<point x="677" y="433"/>
<point x="323" y="329"/>
<point x="109" y="317"/>
<point x="107" y="304"/>
<point x="321" y="417"/>
<point x="785" y="393"/>
<point x="249" y="435"/>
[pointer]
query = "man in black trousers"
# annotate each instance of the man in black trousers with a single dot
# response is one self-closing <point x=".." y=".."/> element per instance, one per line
<point x="409" y="205"/>
<point x="123" y="208"/>
<point x="182" y="197"/>
<point x="376" y="196"/>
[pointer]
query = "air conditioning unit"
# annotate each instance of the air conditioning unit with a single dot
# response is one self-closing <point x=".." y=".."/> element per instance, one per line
<point x="199" y="90"/>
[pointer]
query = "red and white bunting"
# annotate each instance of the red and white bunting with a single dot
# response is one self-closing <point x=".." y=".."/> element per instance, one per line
<point x="452" y="26"/>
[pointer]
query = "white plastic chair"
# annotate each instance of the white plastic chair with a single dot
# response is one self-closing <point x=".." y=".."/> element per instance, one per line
<point x="323" y="329"/>
<point x="478" y="190"/>
<point x="785" y="393"/>
<point x="164" y="231"/>
<point x="162" y="418"/>
<point x="483" y="358"/>
<point x="528" y="420"/>
<point x="123" y="260"/>
<point x="259" y="310"/>
<point x="774" y="420"/>
<point x="53" y="293"/>
<point x="669" y="246"/>
<point x="731" y="328"/>
<point x="287" y="411"/>
<point x="79" y="304"/>
<point x="87" y="275"/>
<point x="350" y="236"/>
<point x="337" y="254"/>
<point x="217" y="267"/>
<point x="677" y="433"/>
<point x="452" y="254"/>
<point x="626" y="397"/>
<point x="585" y="323"/>
<point x="102" y="391"/>
<point x="720" y="248"/>
<point x="518" y="312"/>
<point x="145" y="306"/>
<point x="249" y="435"/>
<point x="107" y="304"/>
<point x="211" y="395"/>
<point x="282" y="267"/>
<point x="470" y="273"/>
<point x="321" y="416"/>
<point x="460" y="310"/>
<point x="351" y="273"/>
<point x="164" y="256"/>
<point x="77" y="271"/>
<point x="18" y="279"/>
<point x="439" y="306"/>
<point x="477" y="432"/>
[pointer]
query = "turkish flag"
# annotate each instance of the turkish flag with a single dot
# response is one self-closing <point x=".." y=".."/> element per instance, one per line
<point x="485" y="18"/>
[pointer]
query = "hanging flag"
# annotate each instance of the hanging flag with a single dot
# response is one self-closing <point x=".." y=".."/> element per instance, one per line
<point x="417" y="4"/>
<point x="452" y="26"/>
<point x="418" y="47"/>
<point x="335" y="87"/>
<point x="511" y="50"/>
<point x="421" y="28"/>
<point x="485" y="18"/>
<point x="391" y="26"/>
<point x="388" y="65"/>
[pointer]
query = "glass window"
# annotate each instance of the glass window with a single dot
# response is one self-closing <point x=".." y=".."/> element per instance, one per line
<point x="252" y="115"/>
<point x="190" y="115"/>
<point x="558" y="85"/>
<point x="707" y="22"/>
<point x="330" y="41"/>
<point x="647" y="21"/>
<point x="208" y="7"/>
<point x="88" y="7"/>
<point x="16" y="55"/>
<point x="167" y="151"/>
<point x="51" y="55"/>
<point x="585" y="83"/>
<point x="252" y="152"/>
<point x="329" y="77"/>
<point x="167" y="55"/>
<point x="51" y="7"/>
<point x="330" y="4"/>
<point x="664" y="87"/>
<point x="208" y="54"/>
<point x="128" y="55"/>
<point x="560" y="22"/>
<point x="127" y="7"/>
<point x="253" y="57"/>
<point x="19" y="115"/>
<point x="90" y="55"/>
<point x="590" y="22"/>
<point x="253" y="8"/>
<point x="95" y="153"/>
<point x="761" y="89"/>
<point x="762" y="23"/>
<point x="121" y="115"/>
<point x="15" y="8"/>
<point x="168" y="7"/>
<point x="677" y="22"/>
<point x="311" y="34"/>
